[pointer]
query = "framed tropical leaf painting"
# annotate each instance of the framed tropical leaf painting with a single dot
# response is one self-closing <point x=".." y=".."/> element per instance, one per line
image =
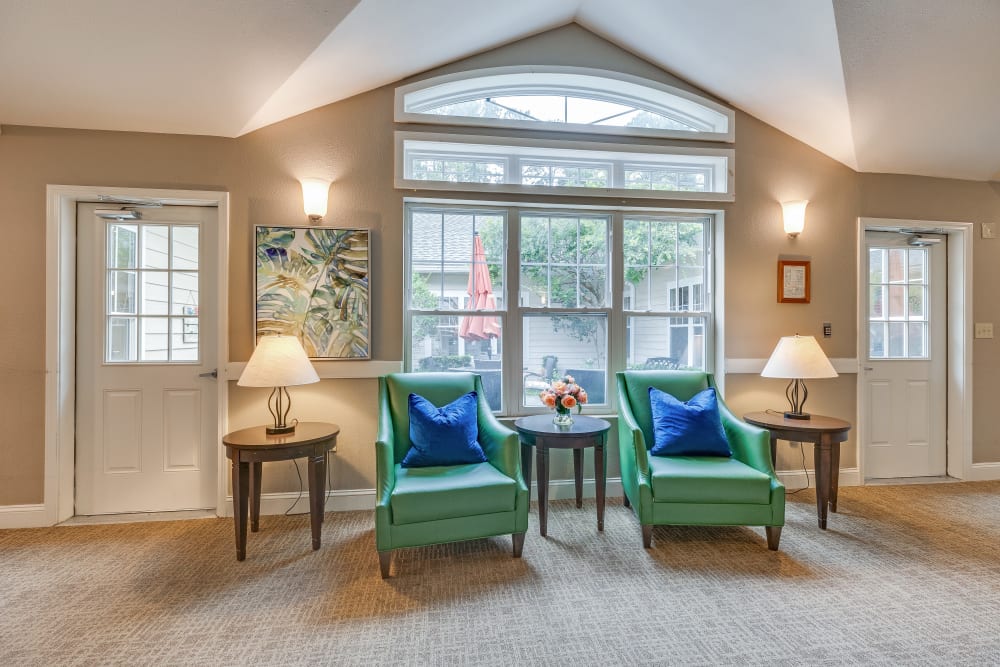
<point x="313" y="282"/>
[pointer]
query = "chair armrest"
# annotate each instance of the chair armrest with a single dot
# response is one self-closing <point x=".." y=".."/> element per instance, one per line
<point x="385" y="460"/>
<point x="751" y="445"/>
<point x="631" y="442"/>
<point x="500" y="444"/>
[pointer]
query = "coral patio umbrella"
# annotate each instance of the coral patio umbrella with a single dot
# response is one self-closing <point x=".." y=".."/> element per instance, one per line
<point x="479" y="327"/>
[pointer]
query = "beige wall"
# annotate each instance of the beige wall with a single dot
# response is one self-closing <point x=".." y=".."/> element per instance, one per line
<point x="351" y="142"/>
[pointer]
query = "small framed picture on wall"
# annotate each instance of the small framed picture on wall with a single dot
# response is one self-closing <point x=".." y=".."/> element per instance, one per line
<point x="793" y="281"/>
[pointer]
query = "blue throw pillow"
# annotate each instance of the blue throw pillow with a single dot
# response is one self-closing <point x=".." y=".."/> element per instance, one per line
<point x="444" y="436"/>
<point x="687" y="429"/>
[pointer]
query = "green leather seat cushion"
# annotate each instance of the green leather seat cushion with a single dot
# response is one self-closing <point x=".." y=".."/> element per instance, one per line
<point x="445" y="492"/>
<point x="707" y="479"/>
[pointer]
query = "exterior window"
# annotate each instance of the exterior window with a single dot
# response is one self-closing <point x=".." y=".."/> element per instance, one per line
<point x="568" y="99"/>
<point x="666" y="264"/>
<point x="455" y="293"/>
<point x="566" y="318"/>
<point x="503" y="164"/>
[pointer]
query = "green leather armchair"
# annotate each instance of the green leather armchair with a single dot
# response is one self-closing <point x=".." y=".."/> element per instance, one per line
<point x="694" y="490"/>
<point x="421" y="506"/>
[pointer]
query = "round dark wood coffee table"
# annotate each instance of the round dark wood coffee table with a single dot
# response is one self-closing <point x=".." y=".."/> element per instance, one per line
<point x="540" y="432"/>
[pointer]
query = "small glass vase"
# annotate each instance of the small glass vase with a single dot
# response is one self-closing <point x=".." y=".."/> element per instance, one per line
<point x="563" y="418"/>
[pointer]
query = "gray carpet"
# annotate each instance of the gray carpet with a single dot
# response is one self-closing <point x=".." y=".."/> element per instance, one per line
<point x="905" y="575"/>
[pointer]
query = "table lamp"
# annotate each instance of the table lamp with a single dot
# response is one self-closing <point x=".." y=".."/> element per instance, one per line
<point x="278" y="362"/>
<point x="798" y="358"/>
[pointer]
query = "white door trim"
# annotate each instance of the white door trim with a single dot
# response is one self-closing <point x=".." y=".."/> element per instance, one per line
<point x="960" y="236"/>
<point x="60" y="330"/>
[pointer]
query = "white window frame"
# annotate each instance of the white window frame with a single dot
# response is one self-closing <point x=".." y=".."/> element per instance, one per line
<point x="513" y="149"/>
<point x="513" y="314"/>
<point x="718" y="120"/>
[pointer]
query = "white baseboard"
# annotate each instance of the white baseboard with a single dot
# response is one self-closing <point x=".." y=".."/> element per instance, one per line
<point x="796" y="479"/>
<point x="565" y="489"/>
<point x="23" y="516"/>
<point x="984" y="472"/>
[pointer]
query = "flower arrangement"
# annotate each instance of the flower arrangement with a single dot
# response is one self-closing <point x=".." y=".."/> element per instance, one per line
<point x="562" y="396"/>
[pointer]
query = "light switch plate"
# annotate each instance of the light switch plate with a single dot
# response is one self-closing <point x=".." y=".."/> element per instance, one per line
<point x="989" y="230"/>
<point x="984" y="330"/>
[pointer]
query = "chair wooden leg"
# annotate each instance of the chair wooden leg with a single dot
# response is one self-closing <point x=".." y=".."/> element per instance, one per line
<point x="625" y="500"/>
<point x="384" y="561"/>
<point x="518" y="540"/>
<point x="647" y="536"/>
<point x="773" y="536"/>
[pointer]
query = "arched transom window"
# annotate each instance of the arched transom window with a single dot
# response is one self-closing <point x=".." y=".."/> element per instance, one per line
<point x="564" y="98"/>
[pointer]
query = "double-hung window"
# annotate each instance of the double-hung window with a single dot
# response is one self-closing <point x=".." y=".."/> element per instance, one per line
<point x="526" y="293"/>
<point x="572" y="315"/>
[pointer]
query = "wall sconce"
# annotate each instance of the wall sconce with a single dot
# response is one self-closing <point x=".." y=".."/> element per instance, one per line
<point x="794" y="213"/>
<point x="315" y="192"/>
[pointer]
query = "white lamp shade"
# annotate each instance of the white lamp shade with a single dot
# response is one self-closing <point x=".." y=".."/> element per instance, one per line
<point x="278" y="361"/>
<point x="315" y="193"/>
<point x="794" y="214"/>
<point x="798" y="357"/>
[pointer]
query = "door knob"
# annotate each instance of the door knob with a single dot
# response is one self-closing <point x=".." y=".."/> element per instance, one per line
<point x="214" y="373"/>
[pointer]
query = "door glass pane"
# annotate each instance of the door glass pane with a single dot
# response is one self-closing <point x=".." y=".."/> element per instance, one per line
<point x="917" y="301"/>
<point x="121" y="339"/>
<point x="121" y="292"/>
<point x="876" y="302"/>
<point x="876" y="265"/>
<point x="153" y="339"/>
<point x="557" y="345"/>
<point x="184" y="294"/>
<point x="897" y="265"/>
<point x="897" y="340"/>
<point x="185" y="248"/>
<point x="897" y="302"/>
<point x="916" y="342"/>
<point x="155" y="254"/>
<point x="184" y="338"/>
<point x="876" y="340"/>
<point x="122" y="241"/>
<point x="154" y="292"/>
<point x="918" y="258"/>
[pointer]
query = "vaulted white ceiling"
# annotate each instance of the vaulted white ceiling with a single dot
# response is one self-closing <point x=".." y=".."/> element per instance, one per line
<point x="897" y="86"/>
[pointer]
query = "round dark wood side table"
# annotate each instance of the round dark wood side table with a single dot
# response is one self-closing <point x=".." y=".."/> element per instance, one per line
<point x="825" y="433"/>
<point x="540" y="432"/>
<point x="254" y="446"/>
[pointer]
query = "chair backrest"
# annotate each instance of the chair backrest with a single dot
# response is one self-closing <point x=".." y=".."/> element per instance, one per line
<point x="438" y="388"/>
<point x="633" y="388"/>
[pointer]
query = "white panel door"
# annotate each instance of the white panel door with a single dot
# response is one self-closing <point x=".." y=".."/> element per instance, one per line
<point x="905" y="333"/>
<point x="146" y="349"/>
